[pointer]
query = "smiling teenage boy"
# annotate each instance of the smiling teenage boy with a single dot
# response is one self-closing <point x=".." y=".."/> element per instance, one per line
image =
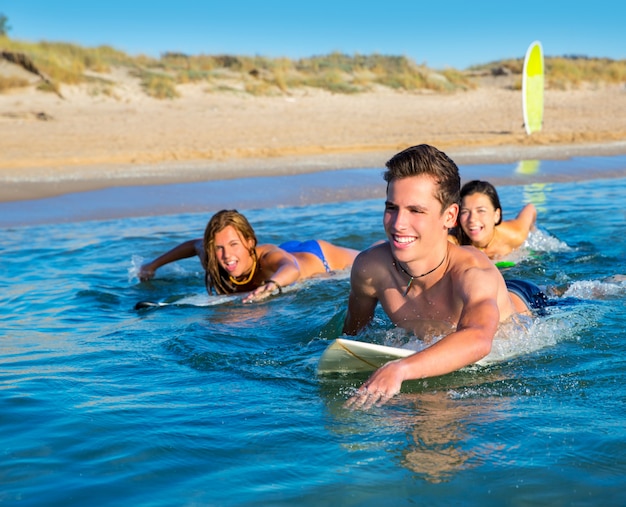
<point x="422" y="281"/>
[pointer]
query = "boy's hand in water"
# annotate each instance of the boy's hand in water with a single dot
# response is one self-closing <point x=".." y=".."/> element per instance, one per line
<point x="383" y="385"/>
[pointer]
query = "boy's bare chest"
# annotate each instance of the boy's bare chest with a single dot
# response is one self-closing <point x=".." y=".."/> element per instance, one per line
<point x="434" y="304"/>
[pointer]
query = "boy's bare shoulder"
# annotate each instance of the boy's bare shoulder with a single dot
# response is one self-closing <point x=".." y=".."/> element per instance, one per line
<point x="378" y="252"/>
<point x="466" y="259"/>
<point x="374" y="262"/>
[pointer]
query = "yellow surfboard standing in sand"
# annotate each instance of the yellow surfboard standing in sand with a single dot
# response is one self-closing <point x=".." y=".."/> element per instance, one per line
<point x="532" y="88"/>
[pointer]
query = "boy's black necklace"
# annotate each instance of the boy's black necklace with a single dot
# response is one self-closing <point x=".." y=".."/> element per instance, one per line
<point x="399" y="267"/>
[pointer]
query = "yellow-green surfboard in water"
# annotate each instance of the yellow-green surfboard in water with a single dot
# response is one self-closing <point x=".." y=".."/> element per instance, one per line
<point x="532" y="88"/>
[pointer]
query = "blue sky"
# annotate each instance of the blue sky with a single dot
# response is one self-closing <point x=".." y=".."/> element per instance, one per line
<point x="436" y="33"/>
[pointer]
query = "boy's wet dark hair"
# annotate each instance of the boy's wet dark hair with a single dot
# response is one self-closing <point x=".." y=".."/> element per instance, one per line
<point x="428" y="160"/>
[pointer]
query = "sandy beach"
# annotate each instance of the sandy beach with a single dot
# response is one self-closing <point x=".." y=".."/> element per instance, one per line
<point x="84" y="141"/>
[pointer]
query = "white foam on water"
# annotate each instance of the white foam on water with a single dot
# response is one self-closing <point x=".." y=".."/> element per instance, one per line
<point x="537" y="241"/>
<point x="519" y="336"/>
<point x="542" y="241"/>
<point x="594" y="289"/>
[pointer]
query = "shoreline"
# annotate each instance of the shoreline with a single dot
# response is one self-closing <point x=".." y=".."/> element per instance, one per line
<point x="28" y="187"/>
<point x="313" y="186"/>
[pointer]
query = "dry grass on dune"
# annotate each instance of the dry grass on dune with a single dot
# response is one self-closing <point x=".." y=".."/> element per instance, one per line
<point x="107" y="125"/>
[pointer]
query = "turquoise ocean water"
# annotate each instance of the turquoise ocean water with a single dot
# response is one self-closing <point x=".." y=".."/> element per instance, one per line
<point x="211" y="402"/>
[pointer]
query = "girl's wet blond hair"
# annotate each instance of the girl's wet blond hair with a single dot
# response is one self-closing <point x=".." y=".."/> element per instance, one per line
<point x="216" y="279"/>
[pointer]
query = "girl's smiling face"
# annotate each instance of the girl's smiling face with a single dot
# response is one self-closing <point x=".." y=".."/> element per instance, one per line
<point x="233" y="252"/>
<point x="478" y="218"/>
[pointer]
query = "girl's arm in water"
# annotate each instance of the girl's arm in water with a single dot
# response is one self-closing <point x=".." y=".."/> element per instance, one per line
<point x="183" y="251"/>
<point x="520" y="227"/>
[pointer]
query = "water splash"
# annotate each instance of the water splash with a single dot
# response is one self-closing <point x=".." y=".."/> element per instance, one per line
<point x="519" y="336"/>
<point x="595" y="289"/>
<point x="537" y="241"/>
<point x="135" y="265"/>
<point x="542" y="241"/>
